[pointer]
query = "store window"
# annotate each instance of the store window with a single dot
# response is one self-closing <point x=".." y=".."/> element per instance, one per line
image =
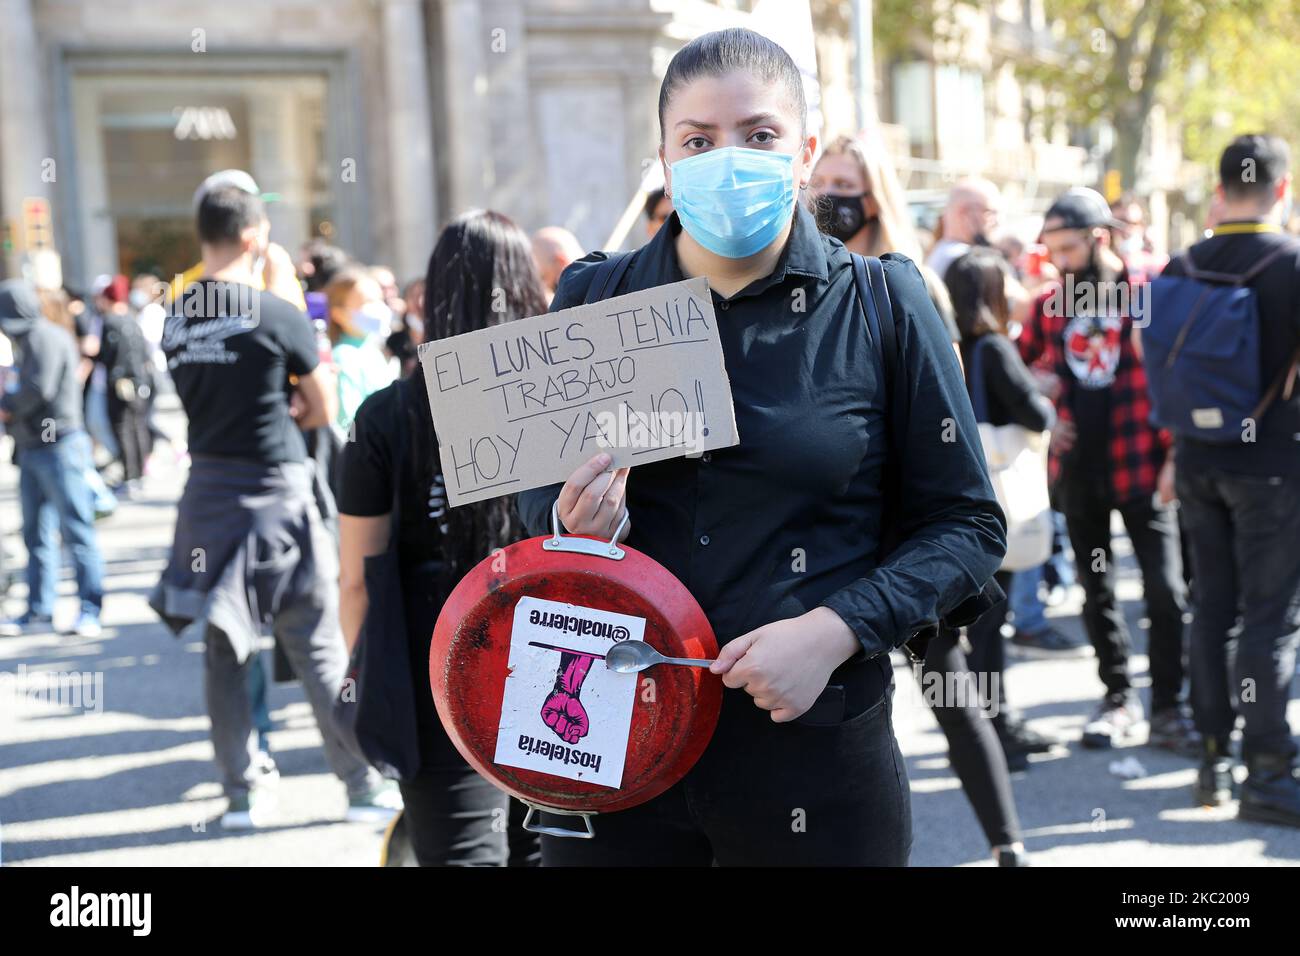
<point x="913" y="104"/>
<point x="960" y="95"/>
<point x="145" y="142"/>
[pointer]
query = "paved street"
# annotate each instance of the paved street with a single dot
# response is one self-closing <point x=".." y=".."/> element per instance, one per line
<point x="127" y="778"/>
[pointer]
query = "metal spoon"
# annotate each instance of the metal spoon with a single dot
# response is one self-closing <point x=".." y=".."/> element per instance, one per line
<point x="629" y="657"/>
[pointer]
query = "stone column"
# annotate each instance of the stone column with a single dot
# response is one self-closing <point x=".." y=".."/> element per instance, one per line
<point x="410" y="137"/>
<point x="26" y="161"/>
<point x="465" y="45"/>
<point x="276" y="160"/>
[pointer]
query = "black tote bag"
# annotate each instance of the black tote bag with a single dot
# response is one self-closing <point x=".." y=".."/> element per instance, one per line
<point x="375" y="710"/>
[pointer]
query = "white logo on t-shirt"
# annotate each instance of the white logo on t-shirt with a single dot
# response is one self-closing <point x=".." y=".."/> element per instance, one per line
<point x="1092" y="349"/>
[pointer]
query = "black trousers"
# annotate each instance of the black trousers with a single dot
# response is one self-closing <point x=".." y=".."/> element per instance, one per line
<point x="1244" y="533"/>
<point x="130" y="422"/>
<point x="1087" y="504"/>
<point x="455" y="817"/>
<point x="974" y="751"/>
<point x="769" y="794"/>
<point x="988" y="654"/>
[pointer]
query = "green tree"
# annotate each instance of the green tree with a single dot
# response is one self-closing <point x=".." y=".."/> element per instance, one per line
<point x="1116" y="59"/>
<point x="1245" y="86"/>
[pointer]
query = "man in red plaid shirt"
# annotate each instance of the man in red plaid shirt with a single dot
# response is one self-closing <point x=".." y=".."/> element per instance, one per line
<point x="1106" y="456"/>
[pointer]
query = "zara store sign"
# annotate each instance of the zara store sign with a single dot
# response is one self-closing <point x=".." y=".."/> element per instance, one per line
<point x="203" y="123"/>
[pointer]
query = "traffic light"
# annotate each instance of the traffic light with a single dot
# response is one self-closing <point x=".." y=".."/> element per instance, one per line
<point x="36" y="224"/>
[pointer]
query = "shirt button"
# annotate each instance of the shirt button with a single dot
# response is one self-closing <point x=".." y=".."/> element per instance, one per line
<point x="706" y="457"/>
<point x="724" y="305"/>
<point x="704" y="540"/>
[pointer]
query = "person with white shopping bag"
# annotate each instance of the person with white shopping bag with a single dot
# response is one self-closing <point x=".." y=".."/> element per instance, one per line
<point x="1014" y="418"/>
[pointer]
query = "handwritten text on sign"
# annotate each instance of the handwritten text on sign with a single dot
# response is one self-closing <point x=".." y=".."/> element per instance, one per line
<point x="521" y="405"/>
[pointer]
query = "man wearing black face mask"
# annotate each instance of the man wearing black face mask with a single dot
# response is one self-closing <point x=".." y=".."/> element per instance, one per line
<point x="1106" y="456"/>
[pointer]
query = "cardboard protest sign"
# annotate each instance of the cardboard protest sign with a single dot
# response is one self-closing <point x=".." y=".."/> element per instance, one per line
<point x="523" y="404"/>
<point x="563" y="711"/>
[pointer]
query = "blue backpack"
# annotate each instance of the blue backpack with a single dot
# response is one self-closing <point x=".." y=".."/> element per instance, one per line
<point x="1202" y="352"/>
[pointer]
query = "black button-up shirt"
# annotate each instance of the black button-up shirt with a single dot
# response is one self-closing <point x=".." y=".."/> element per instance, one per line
<point x="791" y="517"/>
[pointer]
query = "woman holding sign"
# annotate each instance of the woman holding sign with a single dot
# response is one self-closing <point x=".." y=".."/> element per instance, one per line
<point x="392" y="495"/>
<point x="777" y="537"/>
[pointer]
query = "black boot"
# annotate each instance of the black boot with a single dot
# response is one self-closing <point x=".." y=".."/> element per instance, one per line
<point x="1271" y="793"/>
<point x="1213" y="786"/>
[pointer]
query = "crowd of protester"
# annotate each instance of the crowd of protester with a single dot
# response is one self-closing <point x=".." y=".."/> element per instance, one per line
<point x="314" y="479"/>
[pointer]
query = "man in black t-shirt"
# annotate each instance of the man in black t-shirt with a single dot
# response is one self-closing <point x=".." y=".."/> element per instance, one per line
<point x="251" y="548"/>
<point x="1240" y="506"/>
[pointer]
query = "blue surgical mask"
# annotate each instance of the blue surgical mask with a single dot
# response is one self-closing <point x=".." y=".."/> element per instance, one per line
<point x="373" y="318"/>
<point x="734" y="201"/>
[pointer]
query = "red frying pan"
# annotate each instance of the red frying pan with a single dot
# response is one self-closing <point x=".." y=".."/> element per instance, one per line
<point x="519" y="678"/>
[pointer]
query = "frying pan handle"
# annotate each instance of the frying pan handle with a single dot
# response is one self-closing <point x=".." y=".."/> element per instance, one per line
<point x="580" y="545"/>
<point x="531" y="827"/>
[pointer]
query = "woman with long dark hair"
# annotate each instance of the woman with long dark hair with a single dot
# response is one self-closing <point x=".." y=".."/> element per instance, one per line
<point x="481" y="274"/>
<point x="977" y="282"/>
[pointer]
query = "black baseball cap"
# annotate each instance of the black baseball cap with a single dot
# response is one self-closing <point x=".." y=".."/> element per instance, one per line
<point x="1081" y="208"/>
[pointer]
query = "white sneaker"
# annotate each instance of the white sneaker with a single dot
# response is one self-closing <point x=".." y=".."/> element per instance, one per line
<point x="87" y="627"/>
<point x="259" y="807"/>
<point x="378" y="805"/>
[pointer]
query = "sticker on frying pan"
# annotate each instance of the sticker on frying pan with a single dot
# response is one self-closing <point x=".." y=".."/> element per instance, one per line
<point x="564" y="713"/>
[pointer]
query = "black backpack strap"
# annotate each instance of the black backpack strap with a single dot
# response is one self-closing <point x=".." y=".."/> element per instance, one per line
<point x="873" y="296"/>
<point x="604" y="284"/>
<point x="1192" y="271"/>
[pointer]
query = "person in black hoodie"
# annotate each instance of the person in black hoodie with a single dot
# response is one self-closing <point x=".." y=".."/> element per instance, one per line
<point x="124" y="354"/>
<point x="977" y="283"/>
<point x="42" y="410"/>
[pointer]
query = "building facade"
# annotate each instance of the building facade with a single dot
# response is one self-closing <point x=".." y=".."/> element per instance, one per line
<point x="369" y="122"/>
<point x="372" y="122"/>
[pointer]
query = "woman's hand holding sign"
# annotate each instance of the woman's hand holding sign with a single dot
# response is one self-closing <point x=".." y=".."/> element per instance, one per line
<point x="785" y="665"/>
<point x="593" y="500"/>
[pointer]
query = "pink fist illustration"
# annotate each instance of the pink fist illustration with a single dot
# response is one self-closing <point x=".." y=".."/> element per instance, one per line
<point x="563" y="711"/>
<point x="566" y="716"/>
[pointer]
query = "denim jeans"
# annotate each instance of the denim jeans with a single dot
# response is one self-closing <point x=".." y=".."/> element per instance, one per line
<point x="55" y="496"/>
<point x="1244" y="535"/>
<point x="257" y="697"/>
<point x="1030" y="616"/>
